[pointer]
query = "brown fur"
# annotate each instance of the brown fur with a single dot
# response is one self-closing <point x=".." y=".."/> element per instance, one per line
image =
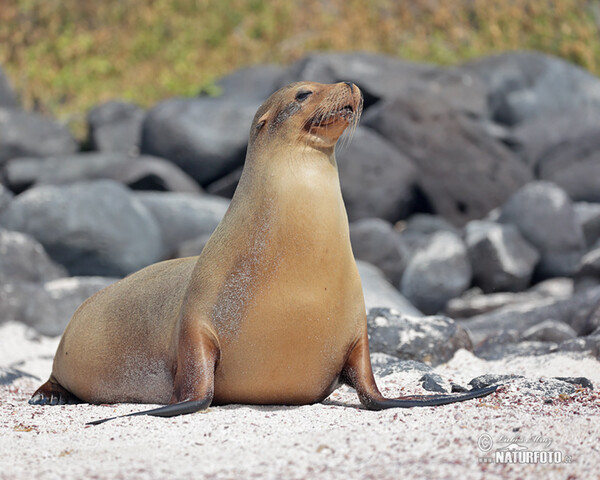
<point x="271" y="312"/>
<point x="271" y="287"/>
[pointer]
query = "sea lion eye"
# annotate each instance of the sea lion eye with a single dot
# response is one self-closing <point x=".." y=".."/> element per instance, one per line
<point x="303" y="95"/>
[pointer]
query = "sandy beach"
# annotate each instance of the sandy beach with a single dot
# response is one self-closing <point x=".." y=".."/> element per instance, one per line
<point x="336" y="439"/>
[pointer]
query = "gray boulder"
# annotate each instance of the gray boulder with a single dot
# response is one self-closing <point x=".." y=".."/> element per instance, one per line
<point x="549" y="388"/>
<point x="6" y="197"/>
<point x="138" y="173"/>
<point x="49" y="306"/>
<point x="115" y="126"/>
<point x="588" y="272"/>
<point x="92" y="228"/>
<point x="575" y="167"/>
<point x="29" y="134"/>
<point x="549" y="331"/>
<point x="501" y="259"/>
<point x="475" y="302"/>
<point x="436" y="273"/>
<point x="525" y="85"/>
<point x="508" y="324"/>
<point x="545" y="217"/>
<point x="380" y="294"/>
<point x="383" y="77"/>
<point x="376" y="179"/>
<point x="537" y="137"/>
<point x="417" y="230"/>
<point x="587" y="216"/>
<point x="432" y="340"/>
<point x="256" y="82"/>
<point x="183" y="217"/>
<point x="375" y="241"/>
<point x="205" y="136"/>
<point x="8" y="97"/>
<point x="384" y="365"/>
<point x="376" y="75"/>
<point x="23" y="259"/>
<point x="589" y="345"/>
<point x="463" y="171"/>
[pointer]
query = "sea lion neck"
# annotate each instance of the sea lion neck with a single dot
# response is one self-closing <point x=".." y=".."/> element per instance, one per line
<point x="263" y="175"/>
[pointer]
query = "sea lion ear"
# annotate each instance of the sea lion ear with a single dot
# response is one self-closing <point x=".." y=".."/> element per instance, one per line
<point x="261" y="122"/>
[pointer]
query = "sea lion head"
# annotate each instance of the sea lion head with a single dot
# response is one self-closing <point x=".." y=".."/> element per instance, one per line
<point x="307" y="113"/>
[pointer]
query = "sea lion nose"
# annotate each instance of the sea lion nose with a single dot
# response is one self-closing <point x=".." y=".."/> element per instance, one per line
<point x="351" y="85"/>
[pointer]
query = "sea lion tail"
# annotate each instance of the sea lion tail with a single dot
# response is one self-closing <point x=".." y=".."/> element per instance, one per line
<point x="181" y="408"/>
<point x="426" y="400"/>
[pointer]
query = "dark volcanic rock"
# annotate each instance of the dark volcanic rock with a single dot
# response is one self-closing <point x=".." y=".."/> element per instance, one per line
<point x="507" y="325"/>
<point x="376" y="75"/>
<point x="436" y="273"/>
<point x="588" y="272"/>
<point x="139" y="173"/>
<point x="23" y="259"/>
<point x="474" y="302"/>
<point x="115" y="127"/>
<point x="463" y="171"/>
<point x="380" y="77"/>
<point x="183" y="217"/>
<point x="432" y="382"/>
<point x="419" y="228"/>
<point x="205" y="136"/>
<point x="544" y="386"/>
<point x="6" y="197"/>
<point x="590" y="344"/>
<point x="432" y="340"/>
<point x="525" y="85"/>
<point x="48" y="307"/>
<point x="384" y="365"/>
<point x="587" y="216"/>
<point x="376" y="179"/>
<point x="577" y="381"/>
<point x="257" y="82"/>
<point x="375" y="241"/>
<point x="29" y="134"/>
<point x="490" y="379"/>
<point x="493" y="350"/>
<point x="545" y="216"/>
<point x="92" y="228"/>
<point x="575" y="167"/>
<point x="380" y="294"/>
<point x="536" y="138"/>
<point x="501" y="259"/>
<point x="151" y="173"/>
<point x="549" y="331"/>
<point x="8" y="98"/>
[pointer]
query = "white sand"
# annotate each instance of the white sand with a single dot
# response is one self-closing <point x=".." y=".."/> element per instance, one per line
<point x="332" y="440"/>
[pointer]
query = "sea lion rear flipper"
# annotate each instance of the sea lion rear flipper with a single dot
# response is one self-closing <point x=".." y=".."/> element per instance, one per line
<point x="358" y="374"/>
<point x="52" y="393"/>
<point x="194" y="379"/>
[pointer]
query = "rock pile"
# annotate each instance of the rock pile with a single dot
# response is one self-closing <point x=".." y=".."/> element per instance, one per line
<point x="473" y="193"/>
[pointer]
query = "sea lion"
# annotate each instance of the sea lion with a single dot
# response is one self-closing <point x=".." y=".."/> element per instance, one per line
<point x="271" y="312"/>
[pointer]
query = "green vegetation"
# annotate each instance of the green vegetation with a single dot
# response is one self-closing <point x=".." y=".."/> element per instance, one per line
<point x="64" y="56"/>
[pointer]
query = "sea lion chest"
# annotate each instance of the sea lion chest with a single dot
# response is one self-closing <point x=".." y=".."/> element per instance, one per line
<point x="290" y="305"/>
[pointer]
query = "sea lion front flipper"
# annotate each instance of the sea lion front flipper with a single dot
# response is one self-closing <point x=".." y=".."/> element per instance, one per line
<point x="358" y="374"/>
<point x="194" y="378"/>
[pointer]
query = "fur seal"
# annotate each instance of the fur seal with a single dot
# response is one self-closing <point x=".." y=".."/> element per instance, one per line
<point x="271" y="312"/>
